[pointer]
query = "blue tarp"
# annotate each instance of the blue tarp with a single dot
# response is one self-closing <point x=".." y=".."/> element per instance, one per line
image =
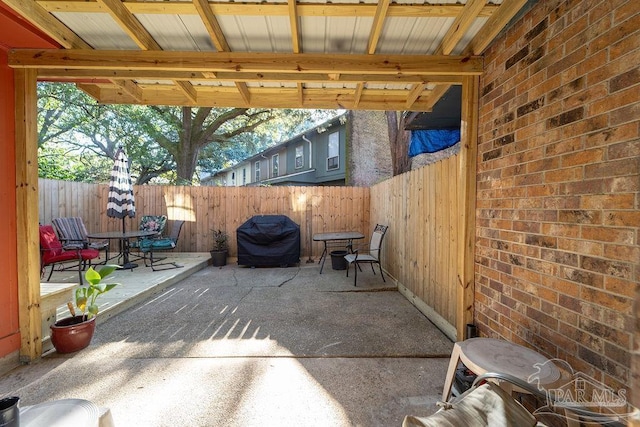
<point x="432" y="140"/>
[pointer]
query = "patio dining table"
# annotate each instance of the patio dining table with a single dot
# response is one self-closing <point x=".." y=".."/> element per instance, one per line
<point x="124" y="238"/>
<point x="336" y="239"/>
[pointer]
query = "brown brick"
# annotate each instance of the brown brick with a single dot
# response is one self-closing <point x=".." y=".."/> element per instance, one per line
<point x="561" y="230"/>
<point x="622" y="184"/>
<point x="628" y="253"/>
<point x="560" y="257"/>
<point x="607" y="300"/>
<point x="541" y="317"/>
<point x="493" y="154"/>
<point x="526" y="226"/>
<point x="542" y="190"/>
<point x="622" y="218"/>
<point x="541" y="266"/>
<point x="623" y="287"/>
<point x="564" y="175"/>
<point x="520" y="55"/>
<point x="624" y="80"/>
<point x="625" y="115"/>
<point x="566" y="118"/>
<point x="503" y="140"/>
<point x="564" y="146"/>
<point x="542" y="241"/>
<point x="592" y="186"/>
<point x="569" y="303"/>
<point x="581" y="246"/>
<point x="580" y="216"/>
<point x="618" y="353"/>
<point x="608" y="234"/>
<point x="613" y="168"/>
<point x="623" y="150"/>
<point x="583" y="157"/>
<point x="582" y="276"/>
<point x="563" y="287"/>
<point x="608" y="201"/>
<point x="605" y="266"/>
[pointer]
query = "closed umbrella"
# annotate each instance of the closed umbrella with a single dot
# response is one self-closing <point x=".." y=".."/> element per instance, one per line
<point x="121" y="202"/>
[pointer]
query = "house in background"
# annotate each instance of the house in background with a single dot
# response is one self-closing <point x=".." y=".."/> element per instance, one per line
<point x="314" y="157"/>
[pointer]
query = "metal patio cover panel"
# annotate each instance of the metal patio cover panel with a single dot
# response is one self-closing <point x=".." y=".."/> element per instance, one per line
<point x="366" y="54"/>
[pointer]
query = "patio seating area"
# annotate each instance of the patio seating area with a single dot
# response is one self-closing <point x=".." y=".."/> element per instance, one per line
<point x="248" y="346"/>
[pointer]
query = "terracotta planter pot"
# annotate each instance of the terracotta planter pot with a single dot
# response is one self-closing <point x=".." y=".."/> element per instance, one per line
<point x="72" y="334"/>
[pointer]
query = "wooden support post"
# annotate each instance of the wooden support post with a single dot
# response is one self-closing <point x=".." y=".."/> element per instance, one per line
<point x="466" y="204"/>
<point x="28" y="245"/>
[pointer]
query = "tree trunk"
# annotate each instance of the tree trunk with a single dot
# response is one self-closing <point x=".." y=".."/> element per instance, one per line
<point x="399" y="142"/>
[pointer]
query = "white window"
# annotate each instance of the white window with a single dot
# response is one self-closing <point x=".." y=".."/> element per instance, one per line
<point x="275" y="165"/>
<point x="333" y="151"/>
<point x="257" y="168"/>
<point x="299" y="156"/>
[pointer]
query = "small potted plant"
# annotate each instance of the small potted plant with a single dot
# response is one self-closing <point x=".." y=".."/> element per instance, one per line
<point x="220" y="249"/>
<point x="74" y="333"/>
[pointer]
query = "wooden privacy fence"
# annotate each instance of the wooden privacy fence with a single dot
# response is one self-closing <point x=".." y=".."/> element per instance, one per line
<point x="422" y="208"/>
<point x="421" y="247"/>
<point x="315" y="209"/>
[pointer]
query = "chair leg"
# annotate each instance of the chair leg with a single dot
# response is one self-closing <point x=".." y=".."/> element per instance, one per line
<point x="51" y="272"/>
<point x="81" y="263"/>
<point x="380" y="266"/>
<point x="372" y="269"/>
<point x="355" y="276"/>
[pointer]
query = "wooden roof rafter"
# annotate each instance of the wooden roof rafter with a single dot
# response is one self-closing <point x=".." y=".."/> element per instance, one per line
<point x="220" y="8"/>
<point x="49" y="25"/>
<point x="259" y="64"/>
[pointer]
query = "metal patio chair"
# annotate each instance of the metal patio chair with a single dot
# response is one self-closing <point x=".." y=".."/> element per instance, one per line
<point x="73" y="235"/>
<point x="52" y="253"/>
<point x="155" y="223"/>
<point x="149" y="246"/>
<point x="372" y="257"/>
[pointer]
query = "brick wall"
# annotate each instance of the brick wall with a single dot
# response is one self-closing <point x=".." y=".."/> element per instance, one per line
<point x="558" y="219"/>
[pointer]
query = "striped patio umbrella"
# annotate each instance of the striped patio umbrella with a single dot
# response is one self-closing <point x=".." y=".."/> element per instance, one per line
<point x="121" y="203"/>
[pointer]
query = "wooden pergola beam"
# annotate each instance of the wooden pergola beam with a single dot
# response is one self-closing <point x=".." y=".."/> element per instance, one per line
<point x="60" y="74"/>
<point x="210" y="22"/>
<point x="494" y="25"/>
<point x="267" y="9"/>
<point x="378" y="24"/>
<point x="299" y="63"/>
<point x="293" y="23"/>
<point x="460" y="26"/>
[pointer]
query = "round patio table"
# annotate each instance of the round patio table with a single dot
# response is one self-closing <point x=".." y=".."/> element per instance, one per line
<point x="124" y="243"/>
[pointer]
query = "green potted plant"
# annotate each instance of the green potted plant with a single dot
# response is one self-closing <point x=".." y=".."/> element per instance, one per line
<point x="220" y="249"/>
<point x="74" y="333"/>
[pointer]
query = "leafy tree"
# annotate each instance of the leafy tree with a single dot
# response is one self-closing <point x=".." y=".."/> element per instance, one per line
<point x="168" y="143"/>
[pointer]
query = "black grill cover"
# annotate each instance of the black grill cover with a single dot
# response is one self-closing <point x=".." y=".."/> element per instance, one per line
<point x="268" y="240"/>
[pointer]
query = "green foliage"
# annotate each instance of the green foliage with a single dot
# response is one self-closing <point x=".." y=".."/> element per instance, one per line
<point x="220" y="240"/>
<point x="87" y="295"/>
<point x="78" y="138"/>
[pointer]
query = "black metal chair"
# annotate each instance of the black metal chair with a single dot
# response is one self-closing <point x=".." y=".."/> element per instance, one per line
<point x="373" y="257"/>
<point x="160" y="244"/>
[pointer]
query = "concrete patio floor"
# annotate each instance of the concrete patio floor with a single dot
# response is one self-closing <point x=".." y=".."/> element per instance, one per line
<point x="241" y="346"/>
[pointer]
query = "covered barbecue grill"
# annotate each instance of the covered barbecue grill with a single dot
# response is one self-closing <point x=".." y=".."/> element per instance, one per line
<point x="268" y="240"/>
